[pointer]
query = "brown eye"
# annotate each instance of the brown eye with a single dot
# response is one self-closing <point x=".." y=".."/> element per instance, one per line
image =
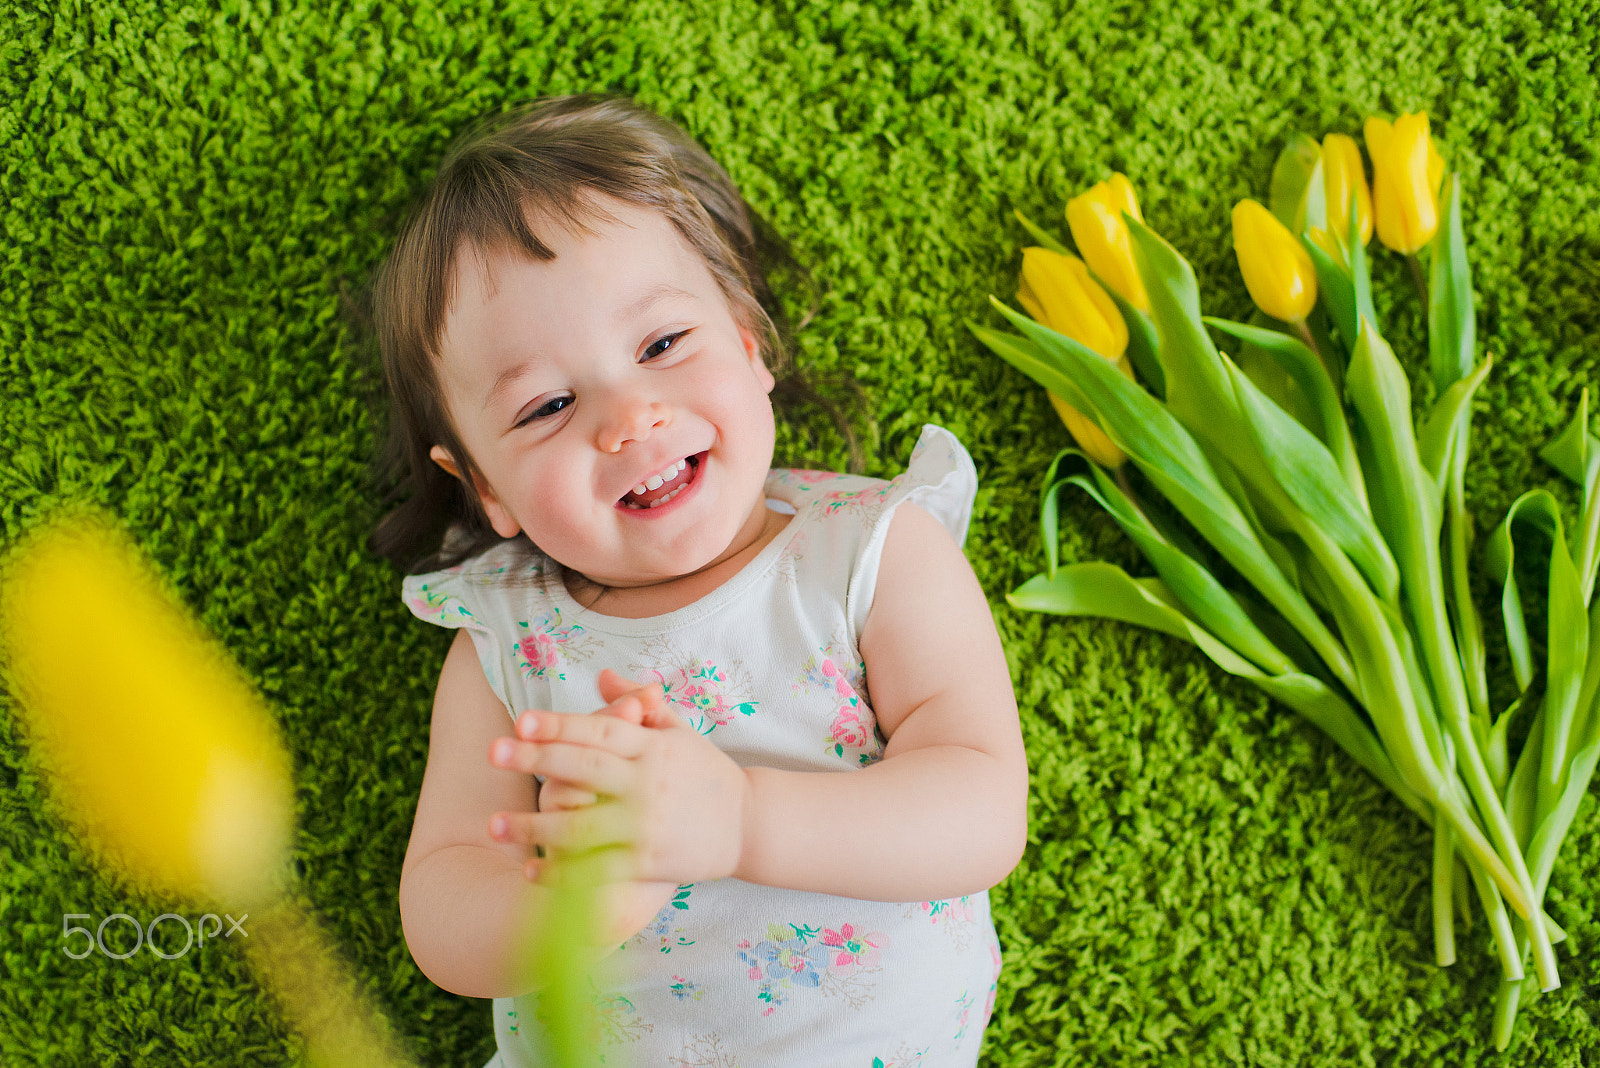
<point x="548" y="408"/>
<point x="663" y="341"/>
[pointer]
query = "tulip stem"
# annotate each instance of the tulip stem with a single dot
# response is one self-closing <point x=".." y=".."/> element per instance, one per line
<point x="1416" y="276"/>
<point x="1311" y="343"/>
<point x="1125" y="486"/>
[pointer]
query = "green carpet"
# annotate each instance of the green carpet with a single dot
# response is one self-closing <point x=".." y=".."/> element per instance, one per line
<point x="191" y="194"/>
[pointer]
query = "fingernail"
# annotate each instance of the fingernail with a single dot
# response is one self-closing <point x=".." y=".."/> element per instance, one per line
<point x="497" y="826"/>
<point x="502" y="751"/>
<point x="528" y="725"/>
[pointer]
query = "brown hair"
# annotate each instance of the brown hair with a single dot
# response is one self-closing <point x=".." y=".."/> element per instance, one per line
<point x="548" y="156"/>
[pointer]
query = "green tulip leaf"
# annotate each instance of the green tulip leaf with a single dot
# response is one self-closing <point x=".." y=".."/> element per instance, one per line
<point x="1198" y="392"/>
<point x="1144" y="345"/>
<point x="1311" y="375"/>
<point x="1044" y="237"/>
<point x="1105" y="591"/>
<point x="1576" y="454"/>
<point x="1441" y="433"/>
<point x="1175" y="464"/>
<point x="1566" y="633"/>
<point x="1204" y="597"/>
<point x="1049" y="521"/>
<point x="1569" y="452"/>
<point x="1312" y="479"/>
<point x="1022" y="354"/>
<point x="1404" y="497"/>
<point x="1522" y="792"/>
<point x="1336" y="292"/>
<point x="1296" y="193"/>
<point x="1451" y="322"/>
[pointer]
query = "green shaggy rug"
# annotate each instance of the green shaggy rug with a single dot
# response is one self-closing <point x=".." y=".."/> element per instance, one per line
<point x="190" y="196"/>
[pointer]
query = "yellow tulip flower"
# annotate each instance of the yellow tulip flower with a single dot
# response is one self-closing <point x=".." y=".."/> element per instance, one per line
<point x="1277" y="269"/>
<point x="1095" y="219"/>
<point x="1059" y="292"/>
<point x="157" y="743"/>
<point x="1407" y="171"/>
<point x="1343" y="176"/>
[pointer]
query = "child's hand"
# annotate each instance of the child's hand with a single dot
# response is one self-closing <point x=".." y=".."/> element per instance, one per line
<point x="665" y="792"/>
<point x="556" y="794"/>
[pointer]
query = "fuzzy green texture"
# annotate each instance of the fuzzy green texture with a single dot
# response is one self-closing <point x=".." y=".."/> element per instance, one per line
<point x="186" y="192"/>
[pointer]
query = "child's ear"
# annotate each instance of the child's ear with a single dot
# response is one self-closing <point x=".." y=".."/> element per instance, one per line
<point x="752" y="348"/>
<point x="504" y="523"/>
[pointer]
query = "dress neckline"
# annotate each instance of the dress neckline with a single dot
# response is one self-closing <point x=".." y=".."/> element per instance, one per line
<point x="555" y="586"/>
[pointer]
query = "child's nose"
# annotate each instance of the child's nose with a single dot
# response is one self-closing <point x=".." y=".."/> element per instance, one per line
<point x="631" y="418"/>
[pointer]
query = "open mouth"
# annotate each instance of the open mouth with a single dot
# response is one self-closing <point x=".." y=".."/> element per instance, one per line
<point x="664" y="486"/>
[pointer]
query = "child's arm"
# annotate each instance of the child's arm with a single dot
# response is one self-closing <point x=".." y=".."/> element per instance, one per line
<point x="464" y="895"/>
<point x="944" y="813"/>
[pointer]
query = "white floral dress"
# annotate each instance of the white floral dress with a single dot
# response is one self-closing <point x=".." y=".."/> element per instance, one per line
<point x="767" y="667"/>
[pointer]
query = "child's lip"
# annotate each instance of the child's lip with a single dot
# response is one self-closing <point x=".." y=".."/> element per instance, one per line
<point x="697" y="473"/>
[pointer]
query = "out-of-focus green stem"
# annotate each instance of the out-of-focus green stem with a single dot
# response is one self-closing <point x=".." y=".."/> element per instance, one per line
<point x="1469" y="629"/>
<point x="1444" y="866"/>
<point x="1505" y="939"/>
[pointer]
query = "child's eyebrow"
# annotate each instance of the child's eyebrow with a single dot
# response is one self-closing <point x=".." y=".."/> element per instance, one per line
<point x="647" y="299"/>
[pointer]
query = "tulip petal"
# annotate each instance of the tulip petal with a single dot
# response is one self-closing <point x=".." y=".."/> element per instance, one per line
<point x="159" y="746"/>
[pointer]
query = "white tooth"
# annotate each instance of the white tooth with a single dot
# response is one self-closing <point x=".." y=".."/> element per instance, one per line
<point x="640" y="488"/>
<point x="681" y="465"/>
<point x="654" y="482"/>
<point x="658" y="502"/>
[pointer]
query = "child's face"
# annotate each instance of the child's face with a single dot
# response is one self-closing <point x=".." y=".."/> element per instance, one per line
<point x="608" y="396"/>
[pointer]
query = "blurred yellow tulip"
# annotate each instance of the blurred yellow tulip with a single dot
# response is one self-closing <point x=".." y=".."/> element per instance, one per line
<point x="1407" y="171"/>
<point x="1344" y="177"/>
<point x="1277" y="269"/>
<point x="1095" y="219"/>
<point x="158" y="744"/>
<point x="1058" y="291"/>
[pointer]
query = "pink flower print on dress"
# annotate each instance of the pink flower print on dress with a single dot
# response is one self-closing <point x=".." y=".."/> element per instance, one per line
<point x="540" y="649"/>
<point x="701" y="690"/>
<point x="544" y="644"/>
<point x="834" y="500"/>
<point x="853" y="729"/>
<point x="994" y="987"/>
<point x="852" y="950"/>
<point x="803" y="479"/>
<point x="954" y="910"/>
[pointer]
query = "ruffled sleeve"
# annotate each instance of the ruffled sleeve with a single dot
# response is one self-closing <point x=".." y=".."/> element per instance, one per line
<point x="473" y="595"/>
<point x="940" y="479"/>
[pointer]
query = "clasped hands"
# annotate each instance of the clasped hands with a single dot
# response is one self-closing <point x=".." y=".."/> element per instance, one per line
<point x="631" y="779"/>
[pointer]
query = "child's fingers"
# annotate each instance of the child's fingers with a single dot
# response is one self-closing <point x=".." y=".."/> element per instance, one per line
<point x="587" y="766"/>
<point x="615" y="865"/>
<point x="555" y="794"/>
<point x="613" y="685"/>
<point x="592" y="827"/>
<point x="621" y="734"/>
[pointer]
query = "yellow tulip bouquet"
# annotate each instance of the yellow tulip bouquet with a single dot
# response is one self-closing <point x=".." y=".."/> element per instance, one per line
<point x="1343" y="526"/>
